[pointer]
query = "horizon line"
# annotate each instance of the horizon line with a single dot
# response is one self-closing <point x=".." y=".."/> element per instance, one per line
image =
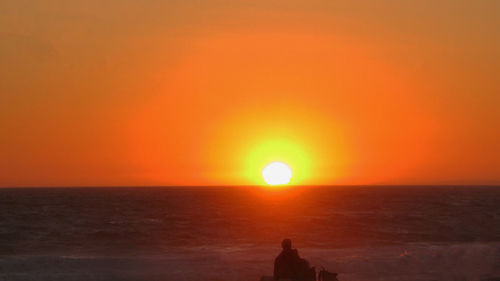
<point x="256" y="186"/>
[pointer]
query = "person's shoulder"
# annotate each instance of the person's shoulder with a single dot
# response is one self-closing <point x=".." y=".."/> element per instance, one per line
<point x="280" y="255"/>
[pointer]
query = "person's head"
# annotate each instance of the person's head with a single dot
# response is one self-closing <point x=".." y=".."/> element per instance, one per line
<point x="286" y="244"/>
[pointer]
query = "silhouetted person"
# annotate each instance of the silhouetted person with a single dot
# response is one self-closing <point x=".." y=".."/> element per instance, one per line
<point x="288" y="265"/>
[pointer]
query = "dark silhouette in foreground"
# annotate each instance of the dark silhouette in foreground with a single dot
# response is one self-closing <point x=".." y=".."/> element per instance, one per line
<point x="289" y="265"/>
<point x="325" y="275"/>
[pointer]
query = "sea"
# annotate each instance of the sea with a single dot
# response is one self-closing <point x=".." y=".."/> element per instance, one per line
<point x="229" y="233"/>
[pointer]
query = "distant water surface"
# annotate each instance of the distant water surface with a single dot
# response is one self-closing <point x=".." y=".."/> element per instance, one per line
<point x="233" y="233"/>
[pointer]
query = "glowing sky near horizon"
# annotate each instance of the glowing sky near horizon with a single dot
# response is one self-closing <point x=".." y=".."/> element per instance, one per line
<point x="163" y="92"/>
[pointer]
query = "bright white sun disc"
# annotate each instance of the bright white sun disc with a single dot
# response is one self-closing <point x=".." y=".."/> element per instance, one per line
<point x="277" y="173"/>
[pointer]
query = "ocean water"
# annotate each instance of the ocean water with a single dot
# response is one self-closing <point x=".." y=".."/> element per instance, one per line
<point x="234" y="233"/>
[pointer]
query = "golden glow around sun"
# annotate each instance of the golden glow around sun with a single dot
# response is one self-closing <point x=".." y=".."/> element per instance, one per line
<point x="260" y="170"/>
<point x="277" y="173"/>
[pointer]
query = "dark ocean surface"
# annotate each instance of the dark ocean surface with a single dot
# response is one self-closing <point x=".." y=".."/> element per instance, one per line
<point x="234" y="233"/>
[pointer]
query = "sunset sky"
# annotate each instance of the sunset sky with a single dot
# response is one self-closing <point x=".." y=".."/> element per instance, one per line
<point x="122" y="92"/>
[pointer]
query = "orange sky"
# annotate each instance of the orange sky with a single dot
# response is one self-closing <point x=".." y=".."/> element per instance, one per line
<point x="197" y="92"/>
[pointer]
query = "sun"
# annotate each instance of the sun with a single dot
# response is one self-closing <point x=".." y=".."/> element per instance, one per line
<point x="277" y="173"/>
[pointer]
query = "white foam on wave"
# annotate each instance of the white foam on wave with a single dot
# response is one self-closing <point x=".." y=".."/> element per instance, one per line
<point x="412" y="262"/>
